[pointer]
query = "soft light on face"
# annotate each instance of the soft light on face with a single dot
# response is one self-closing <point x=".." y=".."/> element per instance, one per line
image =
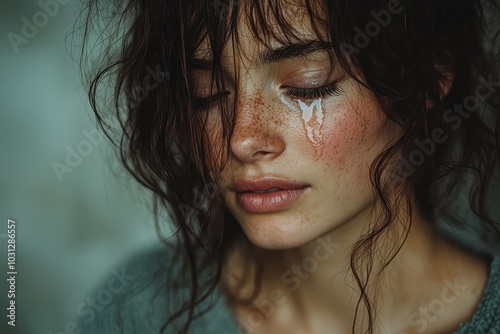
<point x="298" y="119"/>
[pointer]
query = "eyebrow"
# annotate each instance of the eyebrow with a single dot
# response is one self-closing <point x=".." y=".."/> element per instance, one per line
<point x="273" y="55"/>
<point x="293" y="51"/>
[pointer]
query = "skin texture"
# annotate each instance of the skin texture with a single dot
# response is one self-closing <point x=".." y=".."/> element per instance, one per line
<point x="270" y="138"/>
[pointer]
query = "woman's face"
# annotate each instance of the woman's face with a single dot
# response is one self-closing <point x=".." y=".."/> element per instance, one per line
<point x="303" y="126"/>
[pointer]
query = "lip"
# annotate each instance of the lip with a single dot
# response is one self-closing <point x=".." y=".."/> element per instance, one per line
<point x="288" y="193"/>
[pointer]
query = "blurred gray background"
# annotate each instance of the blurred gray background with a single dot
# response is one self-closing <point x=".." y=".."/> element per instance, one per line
<point x="73" y="228"/>
<point x="75" y="224"/>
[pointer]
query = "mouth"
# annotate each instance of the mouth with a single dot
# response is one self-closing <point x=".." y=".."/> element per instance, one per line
<point x="267" y="195"/>
<point x="265" y="191"/>
<point x="267" y="184"/>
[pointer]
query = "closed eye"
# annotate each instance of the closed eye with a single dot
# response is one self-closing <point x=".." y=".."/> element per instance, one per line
<point x="203" y="103"/>
<point x="314" y="93"/>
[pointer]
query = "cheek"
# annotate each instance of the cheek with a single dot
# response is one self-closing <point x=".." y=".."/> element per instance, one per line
<point x="346" y="134"/>
<point x="352" y="135"/>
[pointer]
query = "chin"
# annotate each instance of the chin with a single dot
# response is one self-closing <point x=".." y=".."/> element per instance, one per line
<point x="279" y="233"/>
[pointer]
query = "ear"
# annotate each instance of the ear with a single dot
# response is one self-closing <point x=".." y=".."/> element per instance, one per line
<point x="445" y="84"/>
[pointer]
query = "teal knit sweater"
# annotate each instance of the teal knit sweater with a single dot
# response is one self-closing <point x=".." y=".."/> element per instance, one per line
<point x="487" y="316"/>
<point x="141" y="308"/>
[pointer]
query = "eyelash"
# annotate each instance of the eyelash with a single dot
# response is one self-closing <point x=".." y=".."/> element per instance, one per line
<point x="303" y="93"/>
<point x="314" y="93"/>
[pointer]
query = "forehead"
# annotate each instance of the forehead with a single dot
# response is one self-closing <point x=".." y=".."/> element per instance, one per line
<point x="266" y="25"/>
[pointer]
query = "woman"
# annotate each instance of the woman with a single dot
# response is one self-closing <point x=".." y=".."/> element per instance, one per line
<point x="307" y="150"/>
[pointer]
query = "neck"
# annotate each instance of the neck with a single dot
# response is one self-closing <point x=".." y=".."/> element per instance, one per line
<point x="313" y="286"/>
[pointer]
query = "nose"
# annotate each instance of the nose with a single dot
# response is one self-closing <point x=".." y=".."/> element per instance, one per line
<point x="256" y="135"/>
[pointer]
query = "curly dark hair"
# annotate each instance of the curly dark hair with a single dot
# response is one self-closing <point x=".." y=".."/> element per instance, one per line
<point x="144" y="49"/>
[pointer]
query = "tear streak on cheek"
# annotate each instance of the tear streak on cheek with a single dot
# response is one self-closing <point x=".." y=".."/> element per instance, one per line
<point x="312" y="120"/>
